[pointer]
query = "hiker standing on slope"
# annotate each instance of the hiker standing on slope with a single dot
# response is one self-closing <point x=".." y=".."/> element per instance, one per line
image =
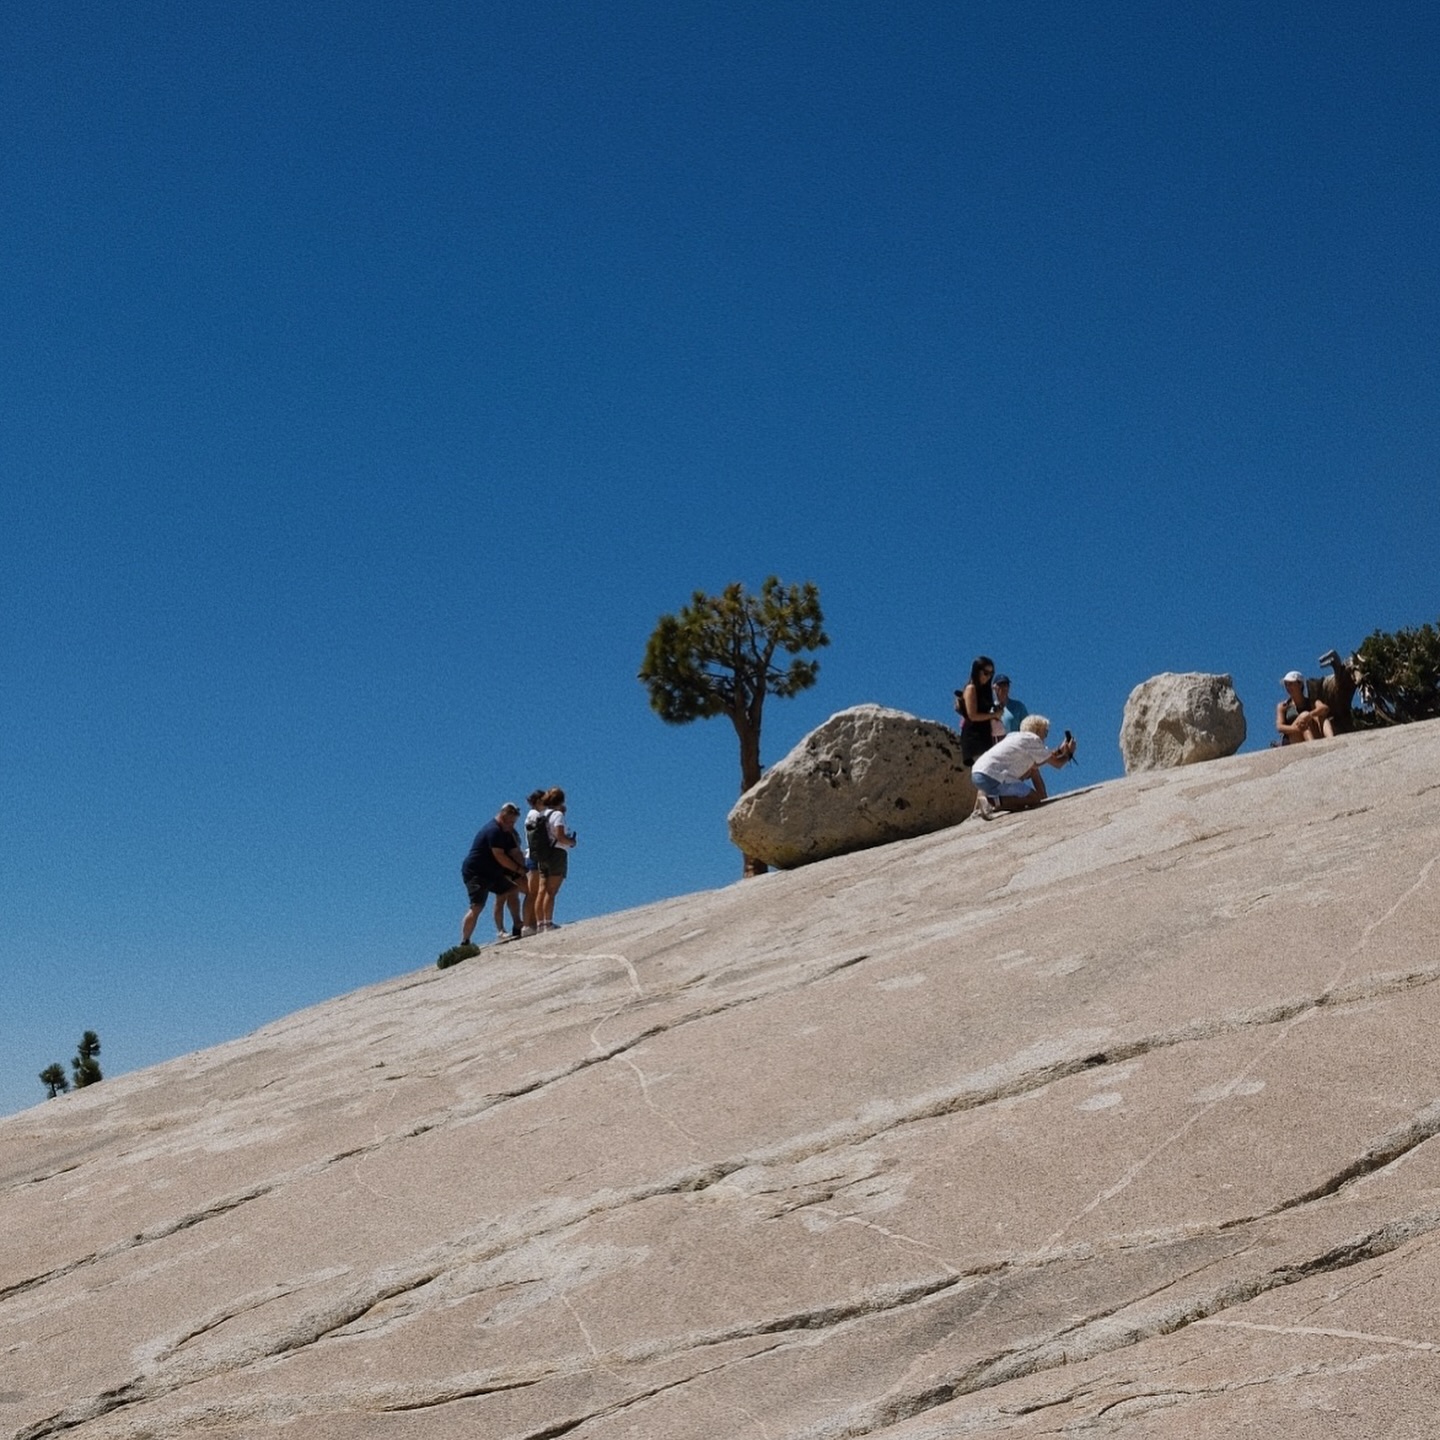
<point x="495" y="865"/>
<point x="975" y="705"/>
<point x="1012" y="712"/>
<point x="550" y="846"/>
<point x="534" y="817"/>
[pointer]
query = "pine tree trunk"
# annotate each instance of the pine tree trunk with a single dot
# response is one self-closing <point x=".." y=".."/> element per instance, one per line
<point x="750" y="772"/>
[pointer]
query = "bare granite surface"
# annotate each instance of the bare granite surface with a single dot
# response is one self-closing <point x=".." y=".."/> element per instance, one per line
<point x="1113" y="1119"/>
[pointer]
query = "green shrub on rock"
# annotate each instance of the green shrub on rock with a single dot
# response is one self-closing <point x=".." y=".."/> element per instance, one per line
<point x="455" y="954"/>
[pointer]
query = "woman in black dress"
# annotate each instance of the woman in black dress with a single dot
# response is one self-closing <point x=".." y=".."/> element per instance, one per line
<point x="976" y="704"/>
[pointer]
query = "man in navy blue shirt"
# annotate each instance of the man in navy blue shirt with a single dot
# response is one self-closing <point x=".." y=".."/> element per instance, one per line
<point x="495" y="865"/>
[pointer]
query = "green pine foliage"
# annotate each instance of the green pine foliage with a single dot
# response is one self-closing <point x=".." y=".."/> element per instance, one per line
<point x="719" y="656"/>
<point x="85" y="1067"/>
<point x="1399" y="677"/>
<point x="54" y="1079"/>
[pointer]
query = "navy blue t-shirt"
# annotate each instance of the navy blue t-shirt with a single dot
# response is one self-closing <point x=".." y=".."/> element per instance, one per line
<point x="493" y="836"/>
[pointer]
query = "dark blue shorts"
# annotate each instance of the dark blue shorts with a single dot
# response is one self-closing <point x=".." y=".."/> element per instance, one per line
<point x="478" y="887"/>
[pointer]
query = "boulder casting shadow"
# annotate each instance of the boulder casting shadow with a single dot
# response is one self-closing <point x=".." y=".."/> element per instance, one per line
<point x="865" y="777"/>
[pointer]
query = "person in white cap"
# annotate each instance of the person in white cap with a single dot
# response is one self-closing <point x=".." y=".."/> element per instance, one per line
<point x="1297" y="716"/>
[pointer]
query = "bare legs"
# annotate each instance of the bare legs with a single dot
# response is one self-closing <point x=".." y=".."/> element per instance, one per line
<point x="545" y="903"/>
<point x="467" y="925"/>
<point x="532" y="898"/>
<point x="1312" y="725"/>
<point x="1020" y="802"/>
<point x="472" y="916"/>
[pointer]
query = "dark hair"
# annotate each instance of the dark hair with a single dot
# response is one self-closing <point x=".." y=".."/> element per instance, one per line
<point x="984" y="695"/>
<point x="534" y="798"/>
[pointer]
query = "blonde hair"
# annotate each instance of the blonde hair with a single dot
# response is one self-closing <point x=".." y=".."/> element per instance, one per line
<point x="1036" y="725"/>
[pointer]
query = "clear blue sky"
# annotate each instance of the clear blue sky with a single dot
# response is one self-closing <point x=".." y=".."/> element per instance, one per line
<point x="375" y="376"/>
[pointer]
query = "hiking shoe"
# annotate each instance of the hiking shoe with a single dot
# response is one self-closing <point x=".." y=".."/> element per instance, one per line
<point x="985" y="807"/>
<point x="526" y="931"/>
<point x="516" y="931"/>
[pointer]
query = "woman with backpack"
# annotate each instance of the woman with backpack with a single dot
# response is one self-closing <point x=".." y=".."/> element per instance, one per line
<point x="550" y="847"/>
<point x="534" y="818"/>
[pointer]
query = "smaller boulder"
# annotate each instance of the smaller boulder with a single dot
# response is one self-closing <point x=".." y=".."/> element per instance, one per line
<point x="1180" y="720"/>
<point x="865" y="777"/>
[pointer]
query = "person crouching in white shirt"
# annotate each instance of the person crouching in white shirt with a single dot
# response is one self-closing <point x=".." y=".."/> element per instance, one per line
<point x="1007" y="776"/>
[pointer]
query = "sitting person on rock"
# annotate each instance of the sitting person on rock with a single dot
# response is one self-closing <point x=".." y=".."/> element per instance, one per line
<point x="1007" y="776"/>
<point x="1299" y="717"/>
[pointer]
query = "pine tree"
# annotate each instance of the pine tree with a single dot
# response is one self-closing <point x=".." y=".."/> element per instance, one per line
<point x="85" y="1066"/>
<point x="717" y="657"/>
<point x="52" y="1077"/>
<point x="1399" y="676"/>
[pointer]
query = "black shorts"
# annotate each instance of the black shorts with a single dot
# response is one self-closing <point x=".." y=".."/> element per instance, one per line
<point x="478" y="887"/>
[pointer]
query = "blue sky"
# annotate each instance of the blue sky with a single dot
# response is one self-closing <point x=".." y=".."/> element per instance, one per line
<point x="376" y="376"/>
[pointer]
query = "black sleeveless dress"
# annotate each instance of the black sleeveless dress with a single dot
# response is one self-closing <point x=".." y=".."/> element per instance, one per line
<point x="975" y="736"/>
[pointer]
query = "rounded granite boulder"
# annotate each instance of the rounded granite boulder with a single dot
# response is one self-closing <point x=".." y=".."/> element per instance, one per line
<point x="865" y="777"/>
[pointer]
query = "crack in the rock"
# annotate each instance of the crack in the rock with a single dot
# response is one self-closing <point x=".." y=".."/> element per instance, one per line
<point x="94" y="1409"/>
<point x="414" y="1131"/>
<point x="146" y="1237"/>
<point x="1123" y="1051"/>
<point x="221" y="1317"/>
<point x="1106" y="1331"/>
<point x="628" y="1402"/>
<point x="701" y="1177"/>
<point x="1385" y="1152"/>
<point x="955" y="1102"/>
<point x="1103" y="1331"/>
<point x="1180" y="1395"/>
<point x="472" y="1392"/>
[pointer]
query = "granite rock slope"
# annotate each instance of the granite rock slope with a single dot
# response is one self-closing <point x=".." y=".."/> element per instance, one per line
<point x="1117" y="1118"/>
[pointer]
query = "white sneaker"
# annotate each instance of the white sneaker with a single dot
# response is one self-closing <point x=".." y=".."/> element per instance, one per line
<point x="503" y="937"/>
<point x="985" y="807"/>
<point x="527" y="931"/>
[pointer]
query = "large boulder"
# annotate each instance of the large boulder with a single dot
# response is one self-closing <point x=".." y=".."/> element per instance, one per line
<point x="1180" y="720"/>
<point x="867" y="776"/>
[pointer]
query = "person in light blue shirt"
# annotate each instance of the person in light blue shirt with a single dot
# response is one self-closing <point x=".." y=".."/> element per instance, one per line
<point x="1012" y="712"/>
